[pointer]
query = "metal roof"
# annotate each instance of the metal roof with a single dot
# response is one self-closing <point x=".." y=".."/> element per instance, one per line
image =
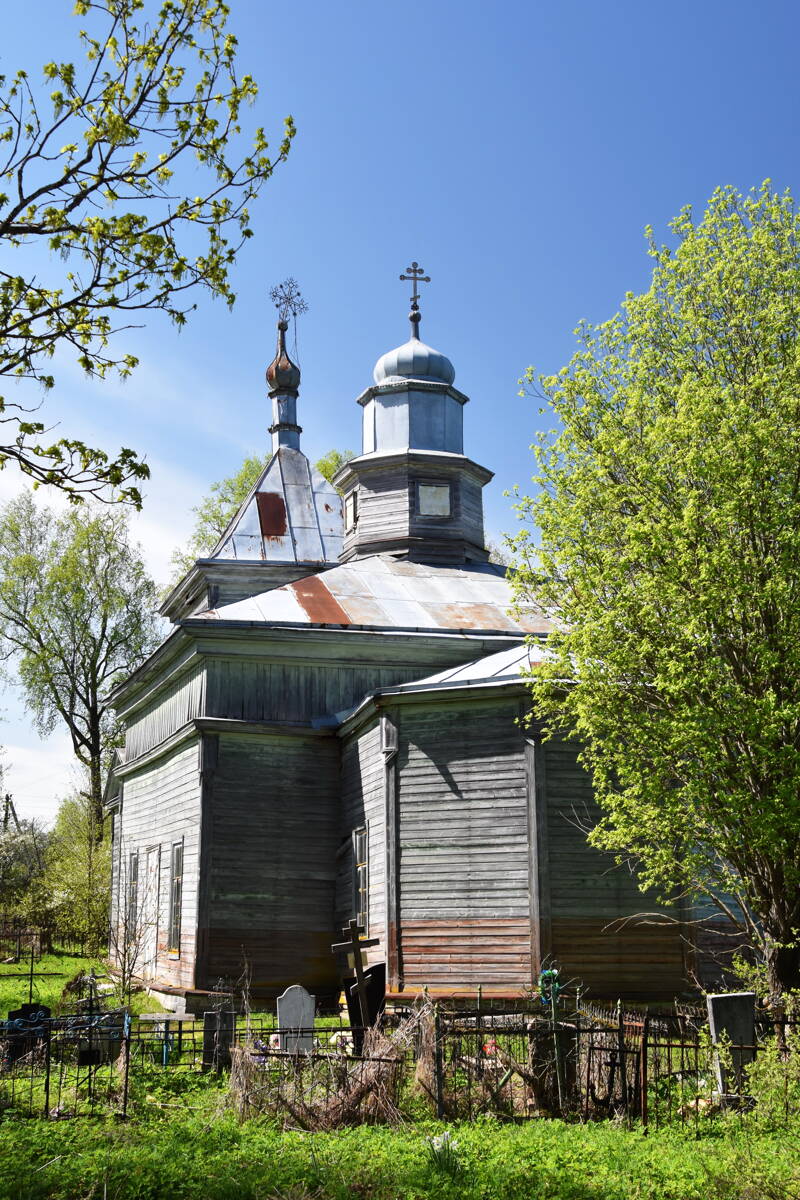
<point x="291" y="515"/>
<point x="506" y="666"/>
<point x="389" y="593"/>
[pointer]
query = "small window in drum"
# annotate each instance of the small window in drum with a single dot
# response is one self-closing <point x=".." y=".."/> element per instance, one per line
<point x="350" y="510"/>
<point x="433" y="500"/>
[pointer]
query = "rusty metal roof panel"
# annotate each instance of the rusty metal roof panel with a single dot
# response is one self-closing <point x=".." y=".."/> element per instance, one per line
<point x="385" y="593"/>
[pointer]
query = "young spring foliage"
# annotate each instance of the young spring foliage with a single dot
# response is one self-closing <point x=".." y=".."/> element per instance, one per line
<point x="134" y="177"/>
<point x="77" y="614"/>
<point x="669" y="554"/>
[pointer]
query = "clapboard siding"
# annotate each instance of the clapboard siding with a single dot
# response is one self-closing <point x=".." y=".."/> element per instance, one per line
<point x="161" y="806"/>
<point x="173" y="708"/>
<point x="383" y="506"/>
<point x="464" y="888"/>
<point x="274" y="833"/>
<point x="363" y="803"/>
<point x="592" y="900"/>
<point x="293" y="692"/>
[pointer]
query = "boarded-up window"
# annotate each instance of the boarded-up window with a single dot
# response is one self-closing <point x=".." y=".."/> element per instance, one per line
<point x="133" y="897"/>
<point x="175" y="896"/>
<point x="361" y="878"/>
<point x="271" y="514"/>
<point x="433" y="500"/>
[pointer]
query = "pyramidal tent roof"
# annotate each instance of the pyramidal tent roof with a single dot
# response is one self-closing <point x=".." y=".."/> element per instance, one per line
<point x="291" y="515"/>
<point x="393" y="594"/>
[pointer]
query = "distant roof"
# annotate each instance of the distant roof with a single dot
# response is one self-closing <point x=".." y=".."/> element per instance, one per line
<point x="389" y="593"/>
<point x="506" y="666"/>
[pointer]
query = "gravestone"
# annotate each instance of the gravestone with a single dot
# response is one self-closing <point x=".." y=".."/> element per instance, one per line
<point x="732" y="1020"/>
<point x="374" y="989"/>
<point x="218" y="1030"/>
<point x="296" y="1020"/>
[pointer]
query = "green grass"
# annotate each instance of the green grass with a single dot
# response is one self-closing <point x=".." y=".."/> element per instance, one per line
<point x="189" y="1153"/>
<point x="51" y="973"/>
<point x="183" y="1142"/>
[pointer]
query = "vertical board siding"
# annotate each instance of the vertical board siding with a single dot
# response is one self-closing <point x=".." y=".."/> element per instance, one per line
<point x="274" y="833"/>
<point x="181" y="703"/>
<point x="293" y="691"/>
<point x="596" y="939"/>
<point x="363" y="804"/>
<point x="463" y="847"/>
<point x="161" y="805"/>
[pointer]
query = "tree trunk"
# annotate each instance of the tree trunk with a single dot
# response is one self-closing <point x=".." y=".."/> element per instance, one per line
<point x="783" y="967"/>
<point x="96" y="795"/>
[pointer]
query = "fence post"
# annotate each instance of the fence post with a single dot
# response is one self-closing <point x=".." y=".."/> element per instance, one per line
<point x="47" y="1036"/>
<point x="126" y="1031"/>
<point x="623" y="1059"/>
<point x="438" y="1076"/>
<point x="643" y="1073"/>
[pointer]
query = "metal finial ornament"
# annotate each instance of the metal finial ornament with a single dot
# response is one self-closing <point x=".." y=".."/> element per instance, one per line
<point x="415" y="275"/>
<point x="283" y="376"/>
<point x="288" y="299"/>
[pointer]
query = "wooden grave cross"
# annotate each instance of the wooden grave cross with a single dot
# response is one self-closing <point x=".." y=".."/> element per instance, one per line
<point x="354" y="946"/>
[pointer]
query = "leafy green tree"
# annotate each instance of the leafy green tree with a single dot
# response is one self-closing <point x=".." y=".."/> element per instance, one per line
<point x="22" y="849"/>
<point x="669" y="557"/>
<point x="77" y="876"/>
<point x="102" y="179"/>
<point x="77" y="613"/>
<point x="330" y="463"/>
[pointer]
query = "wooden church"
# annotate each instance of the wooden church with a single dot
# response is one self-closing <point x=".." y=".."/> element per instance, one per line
<point x="335" y="729"/>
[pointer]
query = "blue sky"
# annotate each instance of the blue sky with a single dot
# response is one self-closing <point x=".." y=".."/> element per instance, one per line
<point x="516" y="150"/>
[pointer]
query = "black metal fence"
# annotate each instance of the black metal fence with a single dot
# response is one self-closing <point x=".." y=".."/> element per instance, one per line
<point x="59" y="1067"/>
<point x="589" y="1063"/>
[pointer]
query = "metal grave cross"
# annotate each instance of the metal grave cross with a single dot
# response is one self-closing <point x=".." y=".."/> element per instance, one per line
<point x="415" y="275"/>
<point x="354" y="946"/>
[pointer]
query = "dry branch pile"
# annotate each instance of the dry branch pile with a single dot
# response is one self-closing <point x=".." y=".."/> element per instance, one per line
<point x="325" y="1089"/>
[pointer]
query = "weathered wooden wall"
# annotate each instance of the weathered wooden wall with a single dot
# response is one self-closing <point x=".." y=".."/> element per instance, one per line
<point x="464" y="899"/>
<point x="589" y="921"/>
<point x="273" y="822"/>
<point x="363" y="804"/>
<point x="179" y="702"/>
<point x="382" y="507"/>
<point x="287" y="691"/>
<point x="160" y="806"/>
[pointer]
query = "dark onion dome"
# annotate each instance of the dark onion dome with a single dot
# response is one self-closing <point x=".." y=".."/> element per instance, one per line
<point x="414" y="360"/>
<point x="282" y="374"/>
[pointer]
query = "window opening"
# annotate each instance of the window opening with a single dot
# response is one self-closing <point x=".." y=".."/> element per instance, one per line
<point x="433" y="500"/>
<point x="133" y="895"/>
<point x="175" y="896"/>
<point x="350" y="510"/>
<point x="360" y="878"/>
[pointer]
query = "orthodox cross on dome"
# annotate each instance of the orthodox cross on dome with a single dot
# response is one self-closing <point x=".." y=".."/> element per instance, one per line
<point x="415" y="275"/>
<point x="288" y="299"/>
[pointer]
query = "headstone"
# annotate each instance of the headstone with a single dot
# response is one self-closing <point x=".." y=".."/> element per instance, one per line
<point x="732" y="1020"/>
<point x="375" y="992"/>
<point x="218" y="1031"/>
<point x="296" y="1020"/>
